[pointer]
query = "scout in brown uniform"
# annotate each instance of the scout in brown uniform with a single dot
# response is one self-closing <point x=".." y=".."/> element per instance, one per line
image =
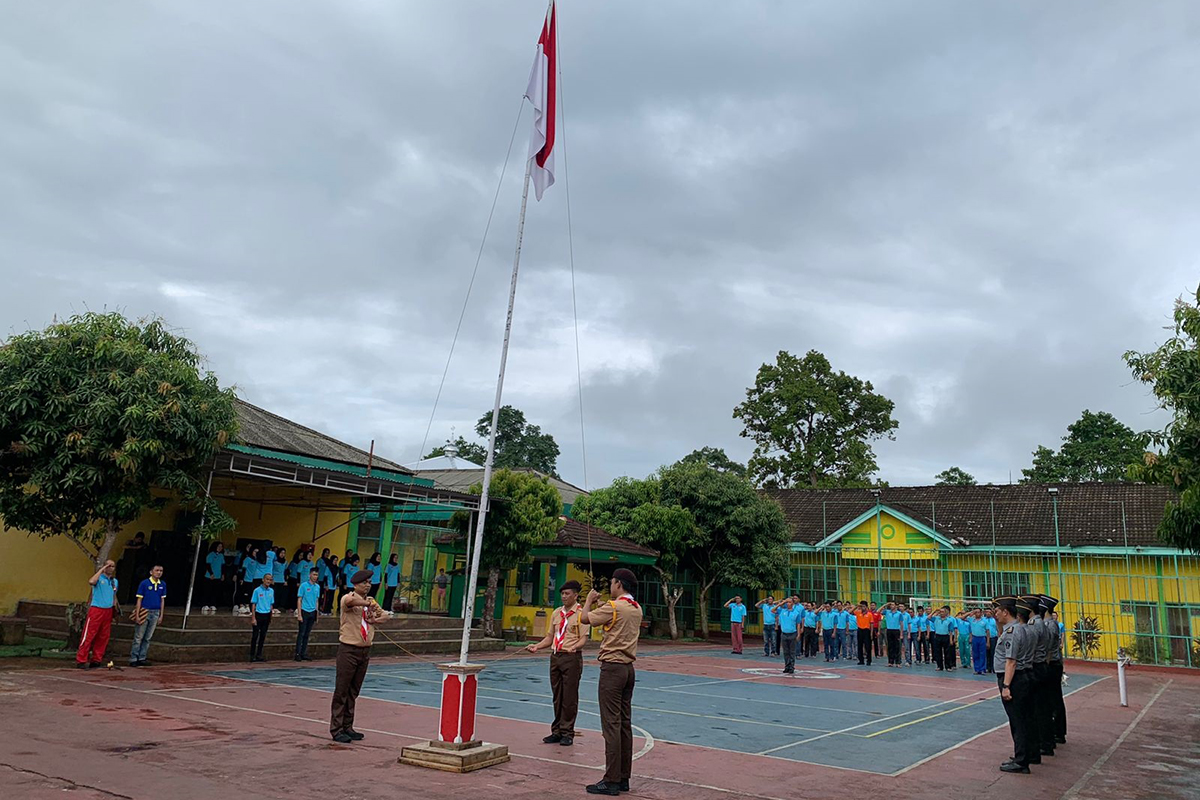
<point x="566" y="637"/>
<point x="359" y="615"/>
<point x="621" y="620"/>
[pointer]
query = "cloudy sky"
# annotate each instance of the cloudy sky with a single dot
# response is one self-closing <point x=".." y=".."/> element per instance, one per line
<point x="978" y="207"/>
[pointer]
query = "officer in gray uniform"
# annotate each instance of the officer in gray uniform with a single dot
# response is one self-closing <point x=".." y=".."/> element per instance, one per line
<point x="1042" y="709"/>
<point x="1025" y="648"/>
<point x="1012" y="681"/>
<point x="1058" y="709"/>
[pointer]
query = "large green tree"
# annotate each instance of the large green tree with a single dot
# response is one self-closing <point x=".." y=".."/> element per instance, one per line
<point x="100" y="419"/>
<point x="635" y="510"/>
<point x="1173" y="373"/>
<point x="716" y="458"/>
<point x="526" y="511"/>
<point x="1097" y="447"/>
<point x="955" y="476"/>
<point x="712" y="523"/>
<point x="813" y="426"/>
<point x="519" y="444"/>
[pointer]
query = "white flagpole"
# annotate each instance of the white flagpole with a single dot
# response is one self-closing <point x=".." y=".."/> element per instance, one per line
<point x="473" y="578"/>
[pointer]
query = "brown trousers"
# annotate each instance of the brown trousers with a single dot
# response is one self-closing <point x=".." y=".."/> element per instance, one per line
<point x="616" y="707"/>
<point x="352" y="664"/>
<point x="565" y="671"/>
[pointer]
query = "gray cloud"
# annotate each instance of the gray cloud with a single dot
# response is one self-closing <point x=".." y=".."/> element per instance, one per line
<point x="978" y="208"/>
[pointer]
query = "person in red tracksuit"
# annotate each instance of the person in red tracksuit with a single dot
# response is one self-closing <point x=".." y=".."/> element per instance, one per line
<point x="102" y="610"/>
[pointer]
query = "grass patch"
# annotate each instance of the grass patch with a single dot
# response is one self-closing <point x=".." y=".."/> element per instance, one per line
<point x="34" y="646"/>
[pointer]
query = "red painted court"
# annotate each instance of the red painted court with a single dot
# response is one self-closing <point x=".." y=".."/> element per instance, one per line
<point x="711" y="725"/>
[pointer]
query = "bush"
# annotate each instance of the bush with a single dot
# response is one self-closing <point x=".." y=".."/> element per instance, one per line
<point x="1085" y="636"/>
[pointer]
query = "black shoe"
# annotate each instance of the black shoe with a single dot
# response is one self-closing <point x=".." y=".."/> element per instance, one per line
<point x="553" y="738"/>
<point x="610" y="789"/>
<point x="305" y="658"/>
<point x="341" y="737"/>
<point x="82" y="665"/>
<point x="1012" y="766"/>
<point x="355" y="735"/>
<point x="295" y="658"/>
<point x="623" y="786"/>
<point x="1037" y="760"/>
<point x="95" y="665"/>
<point x="1060" y="739"/>
<point x="135" y="663"/>
<point x="567" y="741"/>
<point x="1047" y="751"/>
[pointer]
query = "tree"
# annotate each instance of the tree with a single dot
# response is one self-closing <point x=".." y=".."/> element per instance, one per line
<point x="635" y="510"/>
<point x="1173" y="373"/>
<point x="811" y="425"/>
<point x="98" y="415"/>
<point x="519" y="444"/>
<point x="955" y="476"/>
<point x="526" y="512"/>
<point x="710" y="522"/>
<point x="1097" y="447"/>
<point x="469" y="451"/>
<point x="715" y="457"/>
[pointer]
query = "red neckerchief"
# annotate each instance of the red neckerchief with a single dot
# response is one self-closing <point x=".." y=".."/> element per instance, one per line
<point x="629" y="599"/>
<point x="561" y="633"/>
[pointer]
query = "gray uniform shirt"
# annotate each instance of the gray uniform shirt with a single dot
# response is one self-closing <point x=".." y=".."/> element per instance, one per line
<point x="1006" y="646"/>
<point x="1055" y="653"/>
<point x="1025" y="642"/>
<point x="1041" y="646"/>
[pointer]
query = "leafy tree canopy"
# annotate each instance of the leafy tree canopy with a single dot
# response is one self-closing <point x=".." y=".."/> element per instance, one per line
<point x="1097" y="447"/>
<point x="811" y="425"/>
<point x="1173" y="373"/>
<point x="519" y="444"/>
<point x="527" y="513"/>
<point x="955" y="476"/>
<point x="96" y="414"/>
<point x="715" y="457"/>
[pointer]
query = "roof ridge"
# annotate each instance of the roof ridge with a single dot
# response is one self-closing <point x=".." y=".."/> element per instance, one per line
<point x="318" y="433"/>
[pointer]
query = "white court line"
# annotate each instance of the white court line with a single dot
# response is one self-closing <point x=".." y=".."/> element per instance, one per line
<point x="1100" y="762"/>
<point x="872" y="722"/>
<point x="957" y="745"/>
<point x="803" y="706"/>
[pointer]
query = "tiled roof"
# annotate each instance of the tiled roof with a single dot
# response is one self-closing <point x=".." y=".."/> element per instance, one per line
<point x="1089" y="514"/>
<point x="260" y="428"/>
<point x="575" y="534"/>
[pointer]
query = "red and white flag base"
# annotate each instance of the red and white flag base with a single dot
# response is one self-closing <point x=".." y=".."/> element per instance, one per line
<point x="456" y="749"/>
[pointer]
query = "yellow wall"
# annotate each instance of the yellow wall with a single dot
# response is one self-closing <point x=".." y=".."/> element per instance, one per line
<point x="536" y="625"/>
<point x="889" y="537"/>
<point x="56" y="570"/>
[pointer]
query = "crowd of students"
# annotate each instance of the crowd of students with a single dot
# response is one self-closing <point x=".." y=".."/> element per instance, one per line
<point x="841" y="630"/>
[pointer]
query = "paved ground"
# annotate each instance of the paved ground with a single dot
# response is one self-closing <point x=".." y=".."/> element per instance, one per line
<point x="711" y="726"/>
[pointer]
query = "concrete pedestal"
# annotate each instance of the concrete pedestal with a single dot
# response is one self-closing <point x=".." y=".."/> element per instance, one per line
<point x="456" y="748"/>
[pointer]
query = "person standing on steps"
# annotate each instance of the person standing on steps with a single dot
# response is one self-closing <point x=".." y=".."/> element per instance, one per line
<point x="440" y="583"/>
<point x="566" y="637"/>
<point x="262" y="604"/>
<point x="621" y="620"/>
<point x="391" y="578"/>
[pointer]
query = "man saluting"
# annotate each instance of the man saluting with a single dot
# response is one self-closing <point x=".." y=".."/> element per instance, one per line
<point x="621" y="620"/>
<point x="566" y="637"/>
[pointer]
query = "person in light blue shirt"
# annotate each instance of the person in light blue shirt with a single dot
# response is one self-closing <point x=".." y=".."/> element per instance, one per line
<point x="103" y="608"/>
<point x="214" y="574"/>
<point x="375" y="565"/>
<point x="279" y="575"/>
<point x="811" y="621"/>
<point x="789" y="617"/>
<point x="993" y="631"/>
<point x="262" y="600"/>
<point x="848" y="651"/>
<point x="737" y="614"/>
<point x="391" y="577"/>
<point x="924" y="642"/>
<point x="771" y="634"/>
<point x="827" y="620"/>
<point x="893" y="621"/>
<point x="332" y="572"/>
<point x="963" y="630"/>
<point x="906" y="625"/>
<point x="249" y="570"/>
<point x="839" y="631"/>
<point x="978" y="631"/>
<point x="308" y="594"/>
<point x="944" y="627"/>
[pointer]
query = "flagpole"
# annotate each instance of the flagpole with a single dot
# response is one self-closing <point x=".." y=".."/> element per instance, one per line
<point x="473" y="579"/>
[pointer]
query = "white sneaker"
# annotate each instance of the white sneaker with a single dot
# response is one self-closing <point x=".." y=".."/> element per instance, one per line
<point x="274" y="612"/>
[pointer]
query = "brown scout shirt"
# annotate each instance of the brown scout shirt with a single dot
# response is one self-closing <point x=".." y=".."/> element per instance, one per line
<point x="619" y="645"/>
<point x="350" y="627"/>
<point x="576" y="633"/>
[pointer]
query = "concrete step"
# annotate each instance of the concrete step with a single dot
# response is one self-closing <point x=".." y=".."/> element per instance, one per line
<point x="118" y="651"/>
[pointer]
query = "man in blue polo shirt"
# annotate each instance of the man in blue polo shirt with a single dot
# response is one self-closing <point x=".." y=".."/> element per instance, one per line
<point x="979" y="641"/>
<point x="737" y="616"/>
<point x="839" y="630"/>
<point x="770" y="643"/>
<point x="921" y="633"/>
<point x="788" y="616"/>
<point x="151" y="594"/>
<point x="944" y="626"/>
<point x="893" y="623"/>
<point x="827" y="621"/>
<point x="989" y="619"/>
<point x="307" y="596"/>
<point x="808" y="635"/>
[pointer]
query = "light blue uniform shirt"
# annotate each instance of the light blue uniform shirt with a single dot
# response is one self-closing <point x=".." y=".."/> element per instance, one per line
<point x="964" y="627"/>
<point x="331" y="576"/>
<point x="308" y="594"/>
<point x="788" y="619"/>
<point x="992" y="627"/>
<point x="842" y="616"/>
<point x="737" y="612"/>
<point x="279" y="570"/>
<point x="392" y="574"/>
<point x="768" y="612"/>
<point x="103" y="592"/>
<point x="891" y="620"/>
<point x="944" y="626"/>
<point x="376" y="572"/>
<point x="249" y="570"/>
<point x="979" y="627"/>
<point x="851" y="621"/>
<point x="216" y="563"/>
<point x="263" y="599"/>
<point x="906" y="621"/>
<point x="923" y="622"/>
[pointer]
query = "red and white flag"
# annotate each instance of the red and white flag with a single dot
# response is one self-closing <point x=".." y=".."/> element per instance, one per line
<point x="542" y="93"/>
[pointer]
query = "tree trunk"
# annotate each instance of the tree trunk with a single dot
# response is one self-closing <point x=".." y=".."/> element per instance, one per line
<point x="702" y="607"/>
<point x="670" y="598"/>
<point x="110" y="538"/>
<point x="489" y="603"/>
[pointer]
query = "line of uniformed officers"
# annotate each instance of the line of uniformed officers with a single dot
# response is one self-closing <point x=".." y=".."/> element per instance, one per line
<point x="1028" y="662"/>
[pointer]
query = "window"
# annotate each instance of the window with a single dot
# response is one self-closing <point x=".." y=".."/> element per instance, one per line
<point x="368" y="539"/>
<point x="815" y="584"/>
<point x="995" y="584"/>
<point x="898" y="591"/>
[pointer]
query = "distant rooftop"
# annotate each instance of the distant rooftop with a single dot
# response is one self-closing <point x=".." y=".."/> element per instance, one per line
<point x="260" y="428"/>
<point x="449" y="460"/>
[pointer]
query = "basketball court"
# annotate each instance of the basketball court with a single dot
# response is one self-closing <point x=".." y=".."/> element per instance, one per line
<point x="708" y="724"/>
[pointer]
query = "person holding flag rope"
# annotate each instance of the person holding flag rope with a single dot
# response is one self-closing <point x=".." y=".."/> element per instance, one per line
<point x="566" y="638"/>
<point x="359" y="615"/>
